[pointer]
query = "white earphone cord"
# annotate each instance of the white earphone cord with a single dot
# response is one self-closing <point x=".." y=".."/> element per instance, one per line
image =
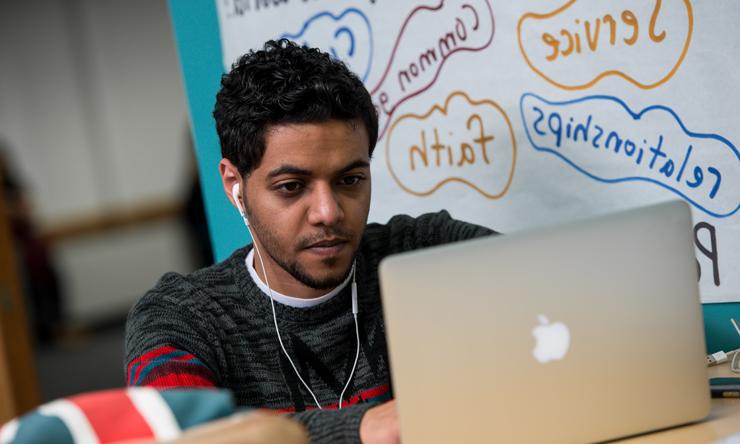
<point x="357" y="331"/>
<point x="277" y="329"/>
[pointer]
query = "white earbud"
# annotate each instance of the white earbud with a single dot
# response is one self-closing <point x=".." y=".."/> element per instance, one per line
<point x="237" y="200"/>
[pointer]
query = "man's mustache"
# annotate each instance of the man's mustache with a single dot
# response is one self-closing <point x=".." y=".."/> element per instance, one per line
<point x="326" y="235"/>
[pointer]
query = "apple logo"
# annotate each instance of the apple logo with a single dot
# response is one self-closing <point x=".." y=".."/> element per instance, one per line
<point x="551" y="340"/>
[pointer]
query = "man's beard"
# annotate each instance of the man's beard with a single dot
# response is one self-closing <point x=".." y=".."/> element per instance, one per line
<point x="270" y="244"/>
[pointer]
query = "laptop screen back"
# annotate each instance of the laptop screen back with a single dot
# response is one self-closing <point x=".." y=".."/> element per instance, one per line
<point x="576" y="333"/>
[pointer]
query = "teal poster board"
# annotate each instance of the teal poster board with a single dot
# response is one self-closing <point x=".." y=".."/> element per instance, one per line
<point x="198" y="44"/>
<point x="198" y="39"/>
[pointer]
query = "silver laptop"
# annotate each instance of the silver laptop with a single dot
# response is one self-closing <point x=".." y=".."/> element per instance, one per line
<point x="578" y="333"/>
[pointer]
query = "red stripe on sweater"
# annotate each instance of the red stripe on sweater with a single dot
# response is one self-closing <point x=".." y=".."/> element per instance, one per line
<point x="360" y="397"/>
<point x="144" y="360"/>
<point x="154" y="353"/>
<point x="178" y="380"/>
<point x="101" y="407"/>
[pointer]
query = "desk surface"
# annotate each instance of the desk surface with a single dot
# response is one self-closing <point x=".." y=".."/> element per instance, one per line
<point x="721" y="426"/>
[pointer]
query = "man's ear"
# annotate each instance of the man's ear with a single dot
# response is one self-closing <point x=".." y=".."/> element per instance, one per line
<point x="229" y="177"/>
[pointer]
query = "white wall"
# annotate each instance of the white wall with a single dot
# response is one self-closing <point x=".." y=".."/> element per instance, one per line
<point x="91" y="103"/>
<point x="41" y="108"/>
<point x="104" y="274"/>
<point x="93" y="111"/>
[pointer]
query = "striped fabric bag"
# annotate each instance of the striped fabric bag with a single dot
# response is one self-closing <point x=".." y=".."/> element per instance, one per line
<point x="118" y="415"/>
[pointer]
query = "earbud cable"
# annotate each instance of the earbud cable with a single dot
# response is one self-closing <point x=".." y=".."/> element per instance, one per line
<point x="237" y="201"/>
<point x="357" y="332"/>
<point x="277" y="329"/>
<point x="280" y="339"/>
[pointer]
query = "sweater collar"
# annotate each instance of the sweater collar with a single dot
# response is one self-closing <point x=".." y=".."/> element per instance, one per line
<point x="258" y="303"/>
<point x="285" y="299"/>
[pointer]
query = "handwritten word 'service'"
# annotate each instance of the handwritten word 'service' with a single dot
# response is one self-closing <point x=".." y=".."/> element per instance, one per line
<point x="440" y="31"/>
<point x="584" y="41"/>
<point x="603" y="139"/>
<point x="347" y="36"/>
<point x="465" y="141"/>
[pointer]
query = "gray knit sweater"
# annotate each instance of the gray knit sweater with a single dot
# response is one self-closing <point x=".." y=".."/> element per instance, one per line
<point x="215" y="327"/>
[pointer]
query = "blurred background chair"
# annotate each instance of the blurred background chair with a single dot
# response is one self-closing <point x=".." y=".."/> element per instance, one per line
<point x="100" y="177"/>
<point x="18" y="384"/>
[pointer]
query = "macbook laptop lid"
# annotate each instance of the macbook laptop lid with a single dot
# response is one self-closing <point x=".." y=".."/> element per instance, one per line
<point x="577" y="333"/>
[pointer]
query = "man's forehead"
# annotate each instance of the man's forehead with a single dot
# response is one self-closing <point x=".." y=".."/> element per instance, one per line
<point x="314" y="148"/>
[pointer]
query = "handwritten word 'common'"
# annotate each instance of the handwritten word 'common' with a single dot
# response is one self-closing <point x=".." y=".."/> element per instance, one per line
<point x="582" y="42"/>
<point x="347" y="37"/>
<point x="603" y="139"/>
<point x="465" y="141"/>
<point x="428" y="37"/>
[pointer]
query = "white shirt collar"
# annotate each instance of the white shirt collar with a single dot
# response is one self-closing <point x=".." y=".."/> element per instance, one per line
<point x="289" y="300"/>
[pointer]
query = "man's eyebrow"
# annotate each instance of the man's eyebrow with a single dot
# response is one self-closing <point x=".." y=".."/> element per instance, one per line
<point x="355" y="164"/>
<point x="288" y="169"/>
<point x="294" y="170"/>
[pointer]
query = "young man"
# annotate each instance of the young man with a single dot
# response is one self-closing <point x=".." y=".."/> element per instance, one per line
<point x="275" y="321"/>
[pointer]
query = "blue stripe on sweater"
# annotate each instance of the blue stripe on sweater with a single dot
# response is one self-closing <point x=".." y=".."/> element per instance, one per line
<point x="162" y="360"/>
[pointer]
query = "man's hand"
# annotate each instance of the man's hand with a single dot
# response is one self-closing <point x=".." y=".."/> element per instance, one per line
<point x="380" y="425"/>
<point x="257" y="427"/>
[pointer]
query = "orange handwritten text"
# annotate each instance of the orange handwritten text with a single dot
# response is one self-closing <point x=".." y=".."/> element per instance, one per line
<point x="582" y="42"/>
<point x="464" y="141"/>
<point x="463" y="153"/>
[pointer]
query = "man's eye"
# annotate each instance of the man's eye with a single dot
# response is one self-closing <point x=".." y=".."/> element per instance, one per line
<point x="290" y="187"/>
<point x="351" y="180"/>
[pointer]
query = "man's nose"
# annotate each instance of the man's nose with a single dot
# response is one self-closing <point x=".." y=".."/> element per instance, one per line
<point x="325" y="208"/>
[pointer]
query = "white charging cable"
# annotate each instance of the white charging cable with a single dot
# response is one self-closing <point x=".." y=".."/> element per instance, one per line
<point x="722" y="356"/>
<point x="735" y="364"/>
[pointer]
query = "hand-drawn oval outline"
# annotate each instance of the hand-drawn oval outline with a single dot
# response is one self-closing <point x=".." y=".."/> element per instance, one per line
<point x="348" y="32"/>
<point x="612" y="72"/>
<point x="443" y="110"/>
<point x="635" y="116"/>
<point x="384" y="130"/>
<point x="336" y="18"/>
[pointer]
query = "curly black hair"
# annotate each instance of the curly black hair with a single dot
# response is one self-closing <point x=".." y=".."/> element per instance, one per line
<point x="285" y="83"/>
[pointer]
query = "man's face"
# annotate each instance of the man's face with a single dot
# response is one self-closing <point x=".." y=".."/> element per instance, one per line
<point x="308" y="202"/>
